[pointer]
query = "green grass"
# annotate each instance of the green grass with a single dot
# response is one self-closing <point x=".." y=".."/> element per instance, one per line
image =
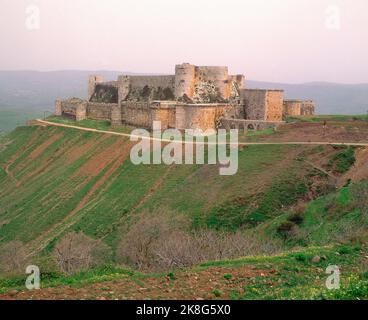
<point x="294" y="275"/>
<point x="290" y="275"/>
<point x="343" y="160"/>
<point x="50" y="187"/>
<point x="249" y="212"/>
<point x="89" y="123"/>
<point x="269" y="180"/>
<point x="333" y="118"/>
<point x="328" y="219"/>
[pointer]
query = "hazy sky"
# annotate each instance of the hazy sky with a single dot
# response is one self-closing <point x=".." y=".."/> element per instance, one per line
<point x="271" y="40"/>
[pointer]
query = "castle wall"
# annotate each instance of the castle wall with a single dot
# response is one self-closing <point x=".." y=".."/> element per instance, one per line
<point x="152" y="81"/>
<point x="254" y="104"/>
<point x="137" y="114"/>
<point x="239" y="79"/>
<point x="58" y="108"/>
<point x="292" y="108"/>
<point x="274" y="105"/>
<point x="308" y="108"/>
<point x="187" y="76"/>
<point x="217" y="75"/>
<point x="81" y="111"/>
<point x="116" y="115"/>
<point x="260" y="104"/>
<point x="92" y="82"/>
<point x="73" y="108"/>
<point x="99" y="111"/>
<point x="123" y="88"/>
<point x="199" y="116"/>
<point x="165" y="112"/>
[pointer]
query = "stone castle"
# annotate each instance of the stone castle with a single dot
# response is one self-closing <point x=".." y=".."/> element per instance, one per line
<point x="195" y="97"/>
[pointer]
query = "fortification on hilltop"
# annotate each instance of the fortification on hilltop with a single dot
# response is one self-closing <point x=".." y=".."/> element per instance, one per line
<point x="195" y="97"/>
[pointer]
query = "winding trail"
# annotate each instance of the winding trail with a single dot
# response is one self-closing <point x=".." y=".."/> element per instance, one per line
<point x="310" y="143"/>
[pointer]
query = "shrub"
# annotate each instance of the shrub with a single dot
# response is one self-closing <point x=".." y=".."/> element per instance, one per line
<point x="171" y="276"/>
<point x="76" y="252"/>
<point x="228" y="276"/>
<point x="162" y="241"/>
<point x="287" y="229"/>
<point x="217" y="293"/>
<point x="301" y="257"/>
<point x="13" y="257"/>
<point x="141" y="246"/>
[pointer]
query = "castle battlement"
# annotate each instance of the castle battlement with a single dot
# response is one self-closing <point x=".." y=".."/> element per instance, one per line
<point x="195" y="97"/>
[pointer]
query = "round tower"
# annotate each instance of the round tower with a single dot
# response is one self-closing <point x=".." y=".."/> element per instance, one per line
<point x="184" y="80"/>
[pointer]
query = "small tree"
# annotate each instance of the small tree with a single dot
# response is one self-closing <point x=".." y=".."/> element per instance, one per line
<point x="76" y="252"/>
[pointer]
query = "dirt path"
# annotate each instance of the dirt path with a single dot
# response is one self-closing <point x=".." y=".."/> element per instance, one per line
<point x="362" y="144"/>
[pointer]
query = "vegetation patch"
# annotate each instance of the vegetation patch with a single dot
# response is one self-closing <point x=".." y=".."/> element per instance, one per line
<point x="342" y="161"/>
<point x="249" y="212"/>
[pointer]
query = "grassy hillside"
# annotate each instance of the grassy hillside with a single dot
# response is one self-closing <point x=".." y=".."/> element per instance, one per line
<point x="85" y="178"/>
<point x="285" y="198"/>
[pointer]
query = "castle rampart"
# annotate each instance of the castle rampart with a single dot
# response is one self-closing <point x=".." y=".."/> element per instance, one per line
<point x="295" y="108"/>
<point x="262" y="104"/>
<point x="92" y="82"/>
<point x="195" y="97"/>
<point x="308" y="108"/>
<point x="292" y="107"/>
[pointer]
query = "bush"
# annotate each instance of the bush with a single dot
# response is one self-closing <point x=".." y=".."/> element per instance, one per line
<point x="162" y="242"/>
<point x="76" y="252"/>
<point x="287" y="229"/>
<point x="13" y="257"/>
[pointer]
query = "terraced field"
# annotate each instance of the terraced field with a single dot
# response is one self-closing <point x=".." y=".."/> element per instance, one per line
<point x="56" y="180"/>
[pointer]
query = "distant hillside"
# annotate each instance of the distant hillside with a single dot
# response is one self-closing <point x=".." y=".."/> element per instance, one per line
<point x="25" y="90"/>
<point x="28" y="94"/>
<point x="33" y="89"/>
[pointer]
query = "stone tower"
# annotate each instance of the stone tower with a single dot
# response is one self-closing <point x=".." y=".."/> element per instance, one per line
<point x="184" y="80"/>
<point x="92" y="82"/>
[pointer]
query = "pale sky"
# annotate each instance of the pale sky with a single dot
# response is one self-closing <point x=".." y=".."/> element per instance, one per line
<point x="269" y="40"/>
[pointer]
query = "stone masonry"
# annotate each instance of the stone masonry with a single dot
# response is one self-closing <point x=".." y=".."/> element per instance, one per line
<point x="195" y="97"/>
